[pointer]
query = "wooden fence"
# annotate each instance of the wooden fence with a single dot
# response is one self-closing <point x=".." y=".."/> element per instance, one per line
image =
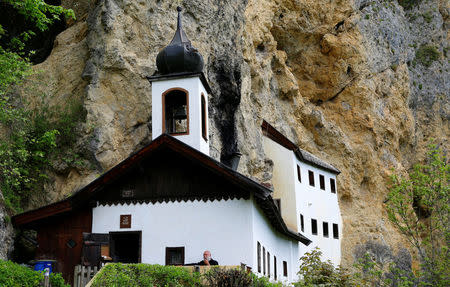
<point x="83" y="274"/>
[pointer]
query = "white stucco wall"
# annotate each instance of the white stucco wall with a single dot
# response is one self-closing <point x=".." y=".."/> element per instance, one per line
<point x="277" y="245"/>
<point x="195" y="88"/>
<point x="223" y="227"/>
<point x="322" y="205"/>
<point x="301" y="198"/>
<point x="283" y="180"/>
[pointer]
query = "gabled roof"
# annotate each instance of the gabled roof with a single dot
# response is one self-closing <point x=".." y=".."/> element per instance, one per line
<point x="83" y="196"/>
<point x="270" y="132"/>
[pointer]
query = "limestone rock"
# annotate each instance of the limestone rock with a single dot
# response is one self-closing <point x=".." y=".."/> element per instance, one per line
<point x="340" y="78"/>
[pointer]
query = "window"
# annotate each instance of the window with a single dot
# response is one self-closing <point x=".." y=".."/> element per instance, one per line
<point x="311" y="178"/>
<point x="299" y="174"/>
<point x="174" y="255"/>
<point x="204" y="133"/>
<point x="175" y="112"/>
<point x="268" y="264"/>
<point x="302" y="223"/>
<point x="314" y="226"/>
<point x="322" y="181"/>
<point x="285" y="273"/>
<point x="335" y="231"/>
<point x="259" y="256"/>
<point x="332" y="185"/>
<point x="264" y="261"/>
<point x="325" y="229"/>
<point x="275" y="268"/>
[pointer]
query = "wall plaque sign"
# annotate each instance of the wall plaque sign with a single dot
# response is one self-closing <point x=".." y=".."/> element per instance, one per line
<point x="127" y="193"/>
<point x="125" y="221"/>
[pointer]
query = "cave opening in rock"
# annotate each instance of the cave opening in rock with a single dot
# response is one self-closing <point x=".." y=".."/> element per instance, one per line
<point x="39" y="46"/>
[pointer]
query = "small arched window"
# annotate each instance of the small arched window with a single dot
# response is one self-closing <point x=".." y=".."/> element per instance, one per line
<point x="176" y="111"/>
<point x="204" y="119"/>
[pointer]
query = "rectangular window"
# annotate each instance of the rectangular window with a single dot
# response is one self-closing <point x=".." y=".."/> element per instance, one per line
<point x="264" y="260"/>
<point x="322" y="181"/>
<point x="258" y="248"/>
<point x="302" y="223"/>
<point x="325" y="229"/>
<point x="332" y="185"/>
<point x="275" y="275"/>
<point x="285" y="272"/>
<point x="311" y="178"/>
<point x="174" y="255"/>
<point x="335" y="231"/>
<point x="268" y="264"/>
<point x="314" y="226"/>
<point x="299" y="174"/>
<point x="204" y="134"/>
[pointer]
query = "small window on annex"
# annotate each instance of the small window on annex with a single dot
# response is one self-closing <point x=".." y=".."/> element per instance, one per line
<point x="259" y="256"/>
<point x="314" y="226"/>
<point x="268" y="264"/>
<point x="335" y="231"/>
<point x="302" y="223"/>
<point x="175" y="112"/>
<point x="325" y="229"/>
<point x="322" y="181"/>
<point x="264" y="260"/>
<point x="285" y="271"/>
<point x="174" y="255"/>
<point x="204" y="133"/>
<point x="332" y="185"/>
<point x="275" y="275"/>
<point x="311" y="178"/>
<point x="299" y="174"/>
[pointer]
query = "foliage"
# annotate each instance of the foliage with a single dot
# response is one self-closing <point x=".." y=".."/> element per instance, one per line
<point x="419" y="207"/>
<point x="39" y="14"/>
<point x="31" y="139"/>
<point x="427" y="54"/>
<point x="142" y="275"/>
<point x="219" y="277"/>
<point x="314" y="272"/>
<point x="409" y="4"/>
<point x="15" y="275"/>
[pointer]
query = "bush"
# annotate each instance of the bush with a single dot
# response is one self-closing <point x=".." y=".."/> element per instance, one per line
<point x="427" y="54"/>
<point x="142" y="275"/>
<point x="218" y="277"/>
<point x="15" y="275"/>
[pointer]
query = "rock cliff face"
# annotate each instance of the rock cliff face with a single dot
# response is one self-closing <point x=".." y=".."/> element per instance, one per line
<point x="346" y="80"/>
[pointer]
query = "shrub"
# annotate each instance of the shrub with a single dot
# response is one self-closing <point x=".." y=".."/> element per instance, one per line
<point x="15" y="275"/>
<point x="142" y="275"/>
<point x="409" y="4"/>
<point x="427" y="54"/>
<point x="218" y="277"/>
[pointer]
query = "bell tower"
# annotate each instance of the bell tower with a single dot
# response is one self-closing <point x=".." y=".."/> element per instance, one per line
<point x="180" y="93"/>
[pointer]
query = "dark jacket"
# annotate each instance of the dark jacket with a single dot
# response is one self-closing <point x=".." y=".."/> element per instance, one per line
<point x="211" y="262"/>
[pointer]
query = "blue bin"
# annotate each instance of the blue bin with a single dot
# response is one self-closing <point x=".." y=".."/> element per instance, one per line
<point x="40" y="265"/>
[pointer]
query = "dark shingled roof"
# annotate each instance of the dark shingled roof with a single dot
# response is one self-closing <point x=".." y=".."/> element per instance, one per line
<point x="262" y="195"/>
<point x="301" y="154"/>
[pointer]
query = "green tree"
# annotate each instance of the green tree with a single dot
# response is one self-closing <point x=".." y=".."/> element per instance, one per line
<point x="27" y="137"/>
<point x="418" y="206"/>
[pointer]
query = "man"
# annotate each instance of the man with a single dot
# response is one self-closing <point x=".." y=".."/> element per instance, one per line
<point x="207" y="260"/>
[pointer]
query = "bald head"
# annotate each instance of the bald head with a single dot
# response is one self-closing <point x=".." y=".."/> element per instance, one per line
<point x="207" y="255"/>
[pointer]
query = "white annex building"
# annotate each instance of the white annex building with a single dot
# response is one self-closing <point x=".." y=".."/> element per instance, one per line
<point x="170" y="201"/>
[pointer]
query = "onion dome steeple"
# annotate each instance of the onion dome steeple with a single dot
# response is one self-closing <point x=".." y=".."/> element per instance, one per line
<point x="179" y="56"/>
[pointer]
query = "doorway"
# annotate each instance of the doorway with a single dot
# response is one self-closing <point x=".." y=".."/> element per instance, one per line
<point x="125" y="247"/>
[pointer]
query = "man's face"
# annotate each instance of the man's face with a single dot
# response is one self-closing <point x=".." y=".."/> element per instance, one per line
<point x="207" y="255"/>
